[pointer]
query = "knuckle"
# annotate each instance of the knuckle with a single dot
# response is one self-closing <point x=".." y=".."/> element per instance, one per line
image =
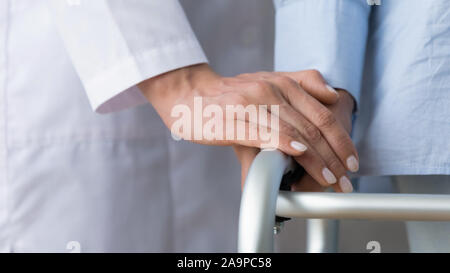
<point x="312" y="133"/>
<point x="325" y="119"/>
<point x="239" y="99"/>
<point x="288" y="130"/>
<point x="260" y="84"/>
<point x="262" y="87"/>
<point x="344" y="141"/>
<point x="314" y="72"/>
<point x="285" y="80"/>
<point x="335" y="164"/>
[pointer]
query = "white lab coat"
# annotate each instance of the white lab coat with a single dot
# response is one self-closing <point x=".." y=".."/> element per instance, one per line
<point x="70" y="177"/>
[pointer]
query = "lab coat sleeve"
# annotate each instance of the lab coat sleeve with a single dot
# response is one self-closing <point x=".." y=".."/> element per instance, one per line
<point x="329" y="36"/>
<point x="115" y="44"/>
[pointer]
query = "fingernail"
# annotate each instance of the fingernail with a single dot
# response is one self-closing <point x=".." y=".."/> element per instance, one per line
<point x="329" y="176"/>
<point x="352" y="163"/>
<point x="346" y="185"/>
<point x="331" y="89"/>
<point x="298" y="146"/>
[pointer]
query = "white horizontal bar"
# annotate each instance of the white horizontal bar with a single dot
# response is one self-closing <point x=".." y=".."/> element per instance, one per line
<point x="416" y="207"/>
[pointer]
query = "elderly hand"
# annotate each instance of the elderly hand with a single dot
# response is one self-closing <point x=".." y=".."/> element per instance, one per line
<point x="343" y="113"/>
<point x="307" y="129"/>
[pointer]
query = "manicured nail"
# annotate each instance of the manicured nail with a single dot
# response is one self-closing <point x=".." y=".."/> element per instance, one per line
<point x="346" y="185"/>
<point x="331" y="89"/>
<point x="352" y="163"/>
<point x="329" y="176"/>
<point x="298" y="146"/>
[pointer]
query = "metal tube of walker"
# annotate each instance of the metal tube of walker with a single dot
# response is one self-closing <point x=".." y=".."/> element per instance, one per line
<point x="261" y="200"/>
<point x="258" y="201"/>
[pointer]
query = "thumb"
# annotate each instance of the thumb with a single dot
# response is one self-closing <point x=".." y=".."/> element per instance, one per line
<point x="314" y="84"/>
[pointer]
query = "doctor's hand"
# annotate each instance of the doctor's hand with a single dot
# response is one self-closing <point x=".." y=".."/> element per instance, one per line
<point x="343" y="112"/>
<point x="307" y="129"/>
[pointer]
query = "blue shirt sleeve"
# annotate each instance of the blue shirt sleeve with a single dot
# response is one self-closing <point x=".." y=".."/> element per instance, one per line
<point x="329" y="36"/>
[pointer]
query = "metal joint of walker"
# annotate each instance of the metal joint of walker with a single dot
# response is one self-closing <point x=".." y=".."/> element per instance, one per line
<point x="261" y="201"/>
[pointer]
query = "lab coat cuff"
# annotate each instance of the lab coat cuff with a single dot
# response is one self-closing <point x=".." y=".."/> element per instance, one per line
<point x="115" y="88"/>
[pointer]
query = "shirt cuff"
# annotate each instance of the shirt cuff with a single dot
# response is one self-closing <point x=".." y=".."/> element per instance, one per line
<point x="115" y="88"/>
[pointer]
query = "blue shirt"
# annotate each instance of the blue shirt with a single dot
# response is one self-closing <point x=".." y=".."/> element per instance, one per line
<point x="394" y="59"/>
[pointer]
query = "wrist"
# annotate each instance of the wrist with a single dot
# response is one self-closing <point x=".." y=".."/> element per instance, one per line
<point x="177" y="83"/>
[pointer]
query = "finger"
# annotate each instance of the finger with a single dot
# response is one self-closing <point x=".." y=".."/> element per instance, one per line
<point x="313" y="82"/>
<point x="313" y="138"/>
<point x="259" y="136"/>
<point x="271" y="89"/>
<point x="315" y="166"/>
<point x="306" y="155"/>
<point x="334" y="133"/>
<point x="322" y="147"/>
<point x="345" y="185"/>
<point x="325" y="160"/>
<point x="307" y="184"/>
<point x="271" y="132"/>
<point x="331" y="170"/>
<point x="255" y="127"/>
